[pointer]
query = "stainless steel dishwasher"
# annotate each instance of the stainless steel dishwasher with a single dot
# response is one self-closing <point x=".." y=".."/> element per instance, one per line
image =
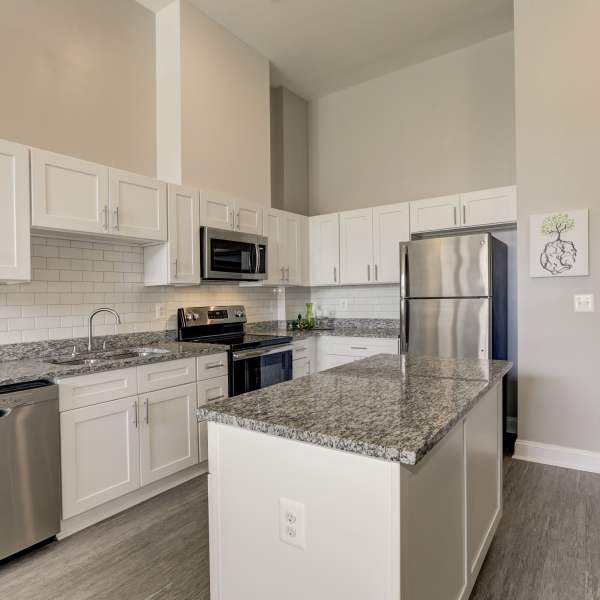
<point x="29" y="465"/>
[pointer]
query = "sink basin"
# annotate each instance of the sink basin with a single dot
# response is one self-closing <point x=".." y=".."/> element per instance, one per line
<point x="107" y="356"/>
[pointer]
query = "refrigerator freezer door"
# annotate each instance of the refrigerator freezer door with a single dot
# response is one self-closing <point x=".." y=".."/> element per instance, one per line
<point x="457" y="328"/>
<point x="447" y="267"/>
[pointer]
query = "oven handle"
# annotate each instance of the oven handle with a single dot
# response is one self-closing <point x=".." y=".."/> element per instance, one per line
<point x="245" y="354"/>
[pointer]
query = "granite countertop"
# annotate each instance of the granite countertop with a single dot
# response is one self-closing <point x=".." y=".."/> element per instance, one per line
<point x="336" y="331"/>
<point x="29" y="369"/>
<point x="394" y="407"/>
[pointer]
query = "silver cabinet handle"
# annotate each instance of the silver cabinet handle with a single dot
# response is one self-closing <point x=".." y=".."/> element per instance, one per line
<point x="282" y="274"/>
<point x="300" y="349"/>
<point x="358" y="348"/>
<point x="176" y="265"/>
<point x="135" y="412"/>
<point x="287" y="270"/>
<point x="368" y="272"/>
<point x="215" y="365"/>
<point x="232" y="219"/>
<point x="147" y="411"/>
<point x="376" y="273"/>
<point x="335" y="274"/>
<point x="464" y="214"/>
<point x="238" y="219"/>
<point x="454" y="209"/>
<point x="105" y="217"/>
<point x="116" y="213"/>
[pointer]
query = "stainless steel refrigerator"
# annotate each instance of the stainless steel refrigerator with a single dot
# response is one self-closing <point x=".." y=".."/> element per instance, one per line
<point x="453" y="300"/>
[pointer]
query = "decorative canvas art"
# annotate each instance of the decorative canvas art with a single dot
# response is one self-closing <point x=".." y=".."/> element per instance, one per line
<point x="558" y="244"/>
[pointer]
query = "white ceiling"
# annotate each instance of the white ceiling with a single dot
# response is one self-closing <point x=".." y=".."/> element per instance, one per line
<point x="319" y="46"/>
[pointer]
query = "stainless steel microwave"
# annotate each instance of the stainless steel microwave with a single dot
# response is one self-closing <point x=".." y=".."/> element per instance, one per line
<point x="232" y="255"/>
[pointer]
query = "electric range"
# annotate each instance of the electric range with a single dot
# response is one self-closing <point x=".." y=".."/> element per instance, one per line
<point x="255" y="360"/>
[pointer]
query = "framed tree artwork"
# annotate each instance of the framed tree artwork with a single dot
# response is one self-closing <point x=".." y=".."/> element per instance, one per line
<point x="559" y="244"/>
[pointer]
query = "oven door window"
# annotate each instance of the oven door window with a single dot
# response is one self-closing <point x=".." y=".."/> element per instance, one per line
<point x="259" y="372"/>
<point x="228" y="256"/>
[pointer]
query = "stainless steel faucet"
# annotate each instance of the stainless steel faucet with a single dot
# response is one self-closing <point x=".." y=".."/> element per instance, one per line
<point x="91" y="319"/>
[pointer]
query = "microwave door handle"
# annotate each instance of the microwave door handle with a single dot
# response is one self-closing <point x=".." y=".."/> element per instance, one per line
<point x="257" y="252"/>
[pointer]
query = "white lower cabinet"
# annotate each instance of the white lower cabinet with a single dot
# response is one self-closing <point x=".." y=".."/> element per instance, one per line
<point x="113" y="445"/>
<point x="209" y="391"/>
<point x="168" y="432"/>
<point x="99" y="454"/>
<point x="303" y="357"/>
<point x="336" y="351"/>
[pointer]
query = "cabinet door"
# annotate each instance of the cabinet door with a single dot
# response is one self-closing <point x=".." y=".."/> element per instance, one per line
<point x="356" y="247"/>
<point x="15" y="253"/>
<point x="99" y="454"/>
<point x="68" y="194"/>
<point x="184" y="234"/>
<point x="433" y="214"/>
<point x="209" y="391"/>
<point x="324" y="247"/>
<point x="390" y="227"/>
<point x="216" y="210"/>
<point x="168" y="432"/>
<point x="489" y="207"/>
<point x="293" y="249"/>
<point x="300" y="367"/>
<point x="138" y="206"/>
<point x="248" y="218"/>
<point x="273" y="229"/>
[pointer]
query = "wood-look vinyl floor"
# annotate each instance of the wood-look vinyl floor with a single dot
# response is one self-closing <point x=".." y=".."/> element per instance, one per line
<point x="157" y="550"/>
<point x="547" y="547"/>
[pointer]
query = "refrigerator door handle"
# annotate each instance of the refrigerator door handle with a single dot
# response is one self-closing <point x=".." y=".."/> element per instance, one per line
<point x="403" y="270"/>
<point x="403" y="326"/>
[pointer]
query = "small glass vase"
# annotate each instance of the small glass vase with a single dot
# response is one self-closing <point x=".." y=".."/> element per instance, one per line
<point x="310" y="314"/>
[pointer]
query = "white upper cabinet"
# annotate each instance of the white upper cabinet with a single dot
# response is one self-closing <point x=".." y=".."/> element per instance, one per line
<point x="489" y="207"/>
<point x="356" y="247"/>
<point x="224" y="212"/>
<point x="168" y="432"/>
<point x="324" y="244"/>
<point x="287" y="247"/>
<point x="248" y="218"/>
<point x="15" y="259"/>
<point x="273" y="227"/>
<point x="138" y="206"/>
<point x="432" y="214"/>
<point x="68" y="194"/>
<point x="391" y="225"/>
<point x="184" y="235"/>
<point x="216" y="210"/>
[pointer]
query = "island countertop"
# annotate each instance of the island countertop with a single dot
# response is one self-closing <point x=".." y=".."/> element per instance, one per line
<point x="393" y="407"/>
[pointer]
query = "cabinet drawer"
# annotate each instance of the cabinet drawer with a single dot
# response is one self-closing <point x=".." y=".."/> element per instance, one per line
<point x="166" y="374"/>
<point x="211" y="366"/>
<point x="85" y="390"/>
<point x="360" y="347"/>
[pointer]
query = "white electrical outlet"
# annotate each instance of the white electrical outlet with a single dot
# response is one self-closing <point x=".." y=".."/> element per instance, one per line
<point x="344" y="304"/>
<point x="583" y="302"/>
<point x="292" y="523"/>
<point x="160" y="310"/>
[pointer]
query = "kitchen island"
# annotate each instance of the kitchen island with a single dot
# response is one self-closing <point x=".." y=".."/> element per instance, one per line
<point x="380" y="479"/>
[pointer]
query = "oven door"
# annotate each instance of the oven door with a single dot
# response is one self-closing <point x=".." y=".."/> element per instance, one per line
<point x="259" y="368"/>
<point x="231" y="255"/>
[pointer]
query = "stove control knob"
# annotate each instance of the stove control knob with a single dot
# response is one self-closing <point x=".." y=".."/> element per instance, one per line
<point x="188" y="316"/>
<point x="239" y="313"/>
<point x="196" y="316"/>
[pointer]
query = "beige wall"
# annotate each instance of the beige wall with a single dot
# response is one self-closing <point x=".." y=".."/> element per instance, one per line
<point x="78" y="78"/>
<point x="557" y="124"/>
<point x="225" y="111"/>
<point x="442" y="126"/>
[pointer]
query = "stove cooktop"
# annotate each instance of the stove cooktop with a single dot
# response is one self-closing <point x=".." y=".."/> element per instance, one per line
<point x="245" y="341"/>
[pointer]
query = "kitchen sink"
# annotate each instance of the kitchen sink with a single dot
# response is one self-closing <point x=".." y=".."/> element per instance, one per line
<point x="107" y="356"/>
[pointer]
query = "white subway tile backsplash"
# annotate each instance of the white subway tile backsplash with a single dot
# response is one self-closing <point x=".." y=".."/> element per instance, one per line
<point x="73" y="277"/>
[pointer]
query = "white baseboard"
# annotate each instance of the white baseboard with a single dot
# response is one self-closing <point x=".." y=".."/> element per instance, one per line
<point x="558" y="456"/>
<point x="511" y="424"/>
<point x="108" y="509"/>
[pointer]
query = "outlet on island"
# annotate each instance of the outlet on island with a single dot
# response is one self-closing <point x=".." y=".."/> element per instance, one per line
<point x="292" y="523"/>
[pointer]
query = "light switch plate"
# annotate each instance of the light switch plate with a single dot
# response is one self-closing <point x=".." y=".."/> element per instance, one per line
<point x="583" y="302"/>
<point x="292" y="523"/>
<point x="160" y="310"/>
